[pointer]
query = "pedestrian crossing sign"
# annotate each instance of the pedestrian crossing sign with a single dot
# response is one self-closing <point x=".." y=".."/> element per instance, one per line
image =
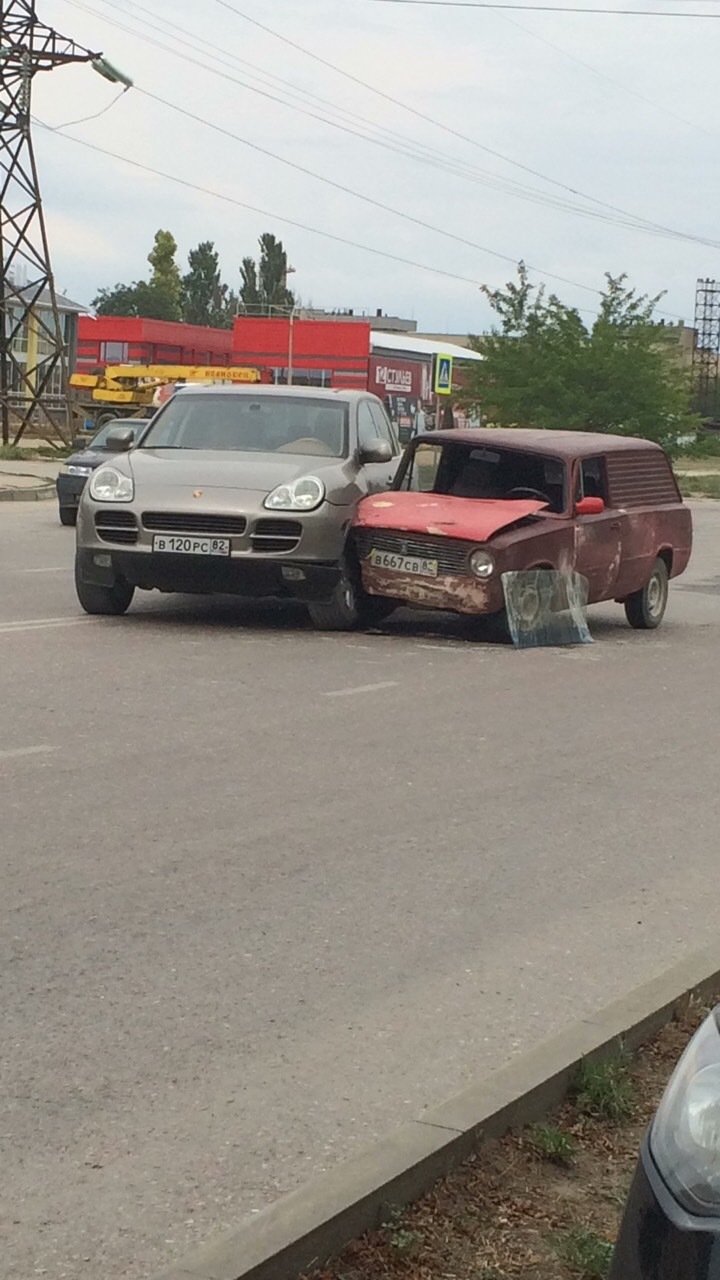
<point x="443" y="375"/>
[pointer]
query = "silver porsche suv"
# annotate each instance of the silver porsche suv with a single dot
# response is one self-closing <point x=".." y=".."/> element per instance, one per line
<point x="229" y="489"/>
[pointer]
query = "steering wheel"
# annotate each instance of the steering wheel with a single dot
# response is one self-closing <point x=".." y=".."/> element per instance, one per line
<point x="522" y="492"/>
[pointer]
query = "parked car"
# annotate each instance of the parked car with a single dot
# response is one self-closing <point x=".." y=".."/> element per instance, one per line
<point x="671" y="1226"/>
<point x="468" y="506"/>
<point x="232" y="489"/>
<point x="89" y="454"/>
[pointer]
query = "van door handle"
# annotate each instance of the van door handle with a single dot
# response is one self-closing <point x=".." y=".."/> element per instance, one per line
<point x="616" y="524"/>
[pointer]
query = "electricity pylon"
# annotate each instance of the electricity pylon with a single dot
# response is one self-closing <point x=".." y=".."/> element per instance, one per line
<point x="32" y="342"/>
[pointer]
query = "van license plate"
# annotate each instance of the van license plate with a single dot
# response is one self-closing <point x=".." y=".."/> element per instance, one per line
<point x="403" y="564"/>
<point x="185" y="546"/>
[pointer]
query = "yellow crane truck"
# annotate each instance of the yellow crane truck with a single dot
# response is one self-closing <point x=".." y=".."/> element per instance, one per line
<point x="125" y="390"/>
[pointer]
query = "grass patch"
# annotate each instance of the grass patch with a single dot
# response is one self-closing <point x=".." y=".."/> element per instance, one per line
<point x="585" y="1251"/>
<point x="17" y="453"/>
<point x="405" y="1244"/>
<point x="506" y="1214"/>
<point x="553" y="1144"/>
<point x="604" y="1090"/>
<point x="52" y="452"/>
<point x="699" y="486"/>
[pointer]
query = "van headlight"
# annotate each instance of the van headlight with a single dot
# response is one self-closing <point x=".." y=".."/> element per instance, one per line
<point x="109" y="485"/>
<point x="301" y="495"/>
<point x="482" y="563"/>
<point x="685" y="1134"/>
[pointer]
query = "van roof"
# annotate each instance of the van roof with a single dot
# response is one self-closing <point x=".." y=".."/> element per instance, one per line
<point x="563" y="444"/>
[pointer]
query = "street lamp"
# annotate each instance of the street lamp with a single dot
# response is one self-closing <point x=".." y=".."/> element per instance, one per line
<point x="290" y="271"/>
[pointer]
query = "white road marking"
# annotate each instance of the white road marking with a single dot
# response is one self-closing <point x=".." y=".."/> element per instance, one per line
<point x="42" y="750"/>
<point x="362" y="688"/>
<point x="56" y="568"/>
<point x="39" y="624"/>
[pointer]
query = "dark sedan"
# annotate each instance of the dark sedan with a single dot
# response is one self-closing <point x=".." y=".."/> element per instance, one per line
<point x="671" y="1226"/>
<point x="89" y="456"/>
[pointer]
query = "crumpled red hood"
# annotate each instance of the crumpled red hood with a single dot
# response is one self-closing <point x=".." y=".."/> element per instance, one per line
<point x="476" y="519"/>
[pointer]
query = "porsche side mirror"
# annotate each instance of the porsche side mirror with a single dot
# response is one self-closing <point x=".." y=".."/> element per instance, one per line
<point x="376" y="451"/>
<point x="120" y="440"/>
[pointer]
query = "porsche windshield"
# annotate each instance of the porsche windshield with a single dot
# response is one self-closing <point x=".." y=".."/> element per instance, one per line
<point x="251" y="423"/>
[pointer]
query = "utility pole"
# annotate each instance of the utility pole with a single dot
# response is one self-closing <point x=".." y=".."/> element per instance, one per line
<point x="30" y="323"/>
<point x="706" y="351"/>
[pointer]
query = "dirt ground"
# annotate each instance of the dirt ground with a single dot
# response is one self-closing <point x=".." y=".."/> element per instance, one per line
<point x="513" y="1211"/>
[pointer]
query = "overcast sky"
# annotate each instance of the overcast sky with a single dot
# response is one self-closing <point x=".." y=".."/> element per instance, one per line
<point x="531" y="86"/>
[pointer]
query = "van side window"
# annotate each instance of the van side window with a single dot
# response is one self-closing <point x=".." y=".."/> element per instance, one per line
<point x="593" y="481"/>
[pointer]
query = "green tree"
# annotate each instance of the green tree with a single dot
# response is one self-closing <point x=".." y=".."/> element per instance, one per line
<point x="122" y="300"/>
<point x="206" y="300"/>
<point x="165" y="282"/>
<point x="264" y="288"/>
<point x="544" y="366"/>
<point x="138" y="299"/>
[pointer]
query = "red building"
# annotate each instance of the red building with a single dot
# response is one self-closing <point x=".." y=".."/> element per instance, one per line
<point x="320" y="353"/>
<point x="310" y="353"/>
<point x="132" y="340"/>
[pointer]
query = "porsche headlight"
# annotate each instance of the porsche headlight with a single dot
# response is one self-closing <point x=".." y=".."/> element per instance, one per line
<point x="109" y="485"/>
<point x="301" y="495"/>
<point x="685" y="1135"/>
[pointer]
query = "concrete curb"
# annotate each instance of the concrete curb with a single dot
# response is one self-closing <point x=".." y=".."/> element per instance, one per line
<point x="314" y="1223"/>
<point x="38" y="494"/>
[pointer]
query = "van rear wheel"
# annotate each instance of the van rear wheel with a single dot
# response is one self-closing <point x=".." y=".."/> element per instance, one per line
<point x="645" y="609"/>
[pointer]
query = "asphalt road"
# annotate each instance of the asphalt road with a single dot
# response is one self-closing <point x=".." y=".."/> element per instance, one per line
<point x="265" y="893"/>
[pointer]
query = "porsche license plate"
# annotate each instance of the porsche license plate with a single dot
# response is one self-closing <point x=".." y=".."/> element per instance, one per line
<point x="403" y="564"/>
<point x="178" y="544"/>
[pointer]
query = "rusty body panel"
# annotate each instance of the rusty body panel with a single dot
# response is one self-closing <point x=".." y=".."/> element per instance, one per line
<point x="433" y="534"/>
<point x="460" y="593"/>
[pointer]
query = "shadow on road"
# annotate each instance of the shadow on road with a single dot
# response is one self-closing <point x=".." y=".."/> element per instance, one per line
<point x="288" y="616"/>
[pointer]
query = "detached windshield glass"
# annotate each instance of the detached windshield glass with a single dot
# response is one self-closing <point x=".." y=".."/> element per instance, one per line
<point x="251" y="423"/>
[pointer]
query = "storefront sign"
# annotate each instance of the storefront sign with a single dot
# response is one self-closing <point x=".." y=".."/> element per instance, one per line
<point x="396" y="378"/>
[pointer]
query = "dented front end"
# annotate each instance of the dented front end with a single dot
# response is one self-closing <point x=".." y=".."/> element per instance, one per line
<point x="457" y="593"/>
<point x="418" y="549"/>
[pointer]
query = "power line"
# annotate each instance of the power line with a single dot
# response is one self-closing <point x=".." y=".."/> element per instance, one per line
<point x="602" y="75"/>
<point x="251" y="208"/>
<point x="69" y="124"/>
<point x="548" y="8"/>
<point x="357" y="195"/>
<point x="483" y="178"/>
<point x="408" y="147"/>
<point x="302" y="226"/>
<point x="421" y="115"/>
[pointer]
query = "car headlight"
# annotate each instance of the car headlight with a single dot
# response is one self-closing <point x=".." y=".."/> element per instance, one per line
<point x="685" y="1135"/>
<point x="73" y="470"/>
<point x="482" y="563"/>
<point x="109" y="485"/>
<point x="301" y="495"/>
